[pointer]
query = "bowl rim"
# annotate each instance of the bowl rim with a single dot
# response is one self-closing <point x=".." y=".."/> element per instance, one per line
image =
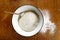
<point x="28" y="32"/>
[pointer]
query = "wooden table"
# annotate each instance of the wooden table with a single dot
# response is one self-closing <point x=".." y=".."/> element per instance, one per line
<point x="6" y="29"/>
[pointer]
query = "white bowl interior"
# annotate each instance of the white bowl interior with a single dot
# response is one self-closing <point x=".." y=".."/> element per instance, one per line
<point x="16" y="25"/>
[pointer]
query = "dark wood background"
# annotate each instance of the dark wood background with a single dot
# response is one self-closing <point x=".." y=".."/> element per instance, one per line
<point x="6" y="29"/>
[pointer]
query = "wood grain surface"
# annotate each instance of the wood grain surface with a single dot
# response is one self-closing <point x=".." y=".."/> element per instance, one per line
<point x="6" y="29"/>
